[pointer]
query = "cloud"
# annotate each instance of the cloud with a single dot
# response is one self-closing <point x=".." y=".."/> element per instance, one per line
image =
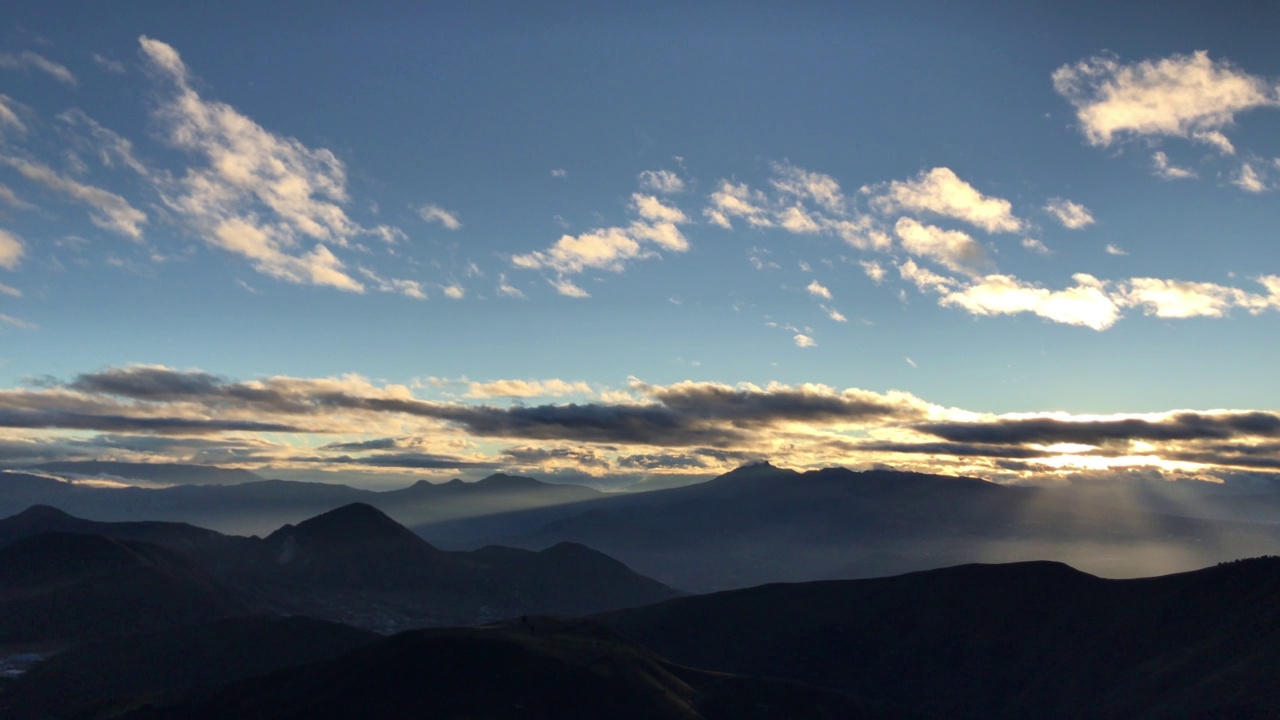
<point x="437" y="214"/>
<point x="1180" y="425"/>
<point x="1184" y="299"/>
<point x="1249" y="179"/>
<point x="804" y="341"/>
<point x="12" y="321"/>
<point x="941" y="192"/>
<point x="568" y="289"/>
<point x="661" y="181"/>
<point x="11" y="250"/>
<point x="453" y="292"/>
<point x="651" y="208"/>
<point x="954" y="249"/>
<point x="1166" y="170"/>
<point x="527" y="388"/>
<point x="1085" y="304"/>
<point x="9" y="109"/>
<point x="505" y="289"/>
<point x="873" y="270"/>
<point x="1115" y="250"/>
<point x="261" y="196"/>
<point x="10" y="291"/>
<point x="1072" y="215"/>
<point x="112" y="66"/>
<point x="108" y="210"/>
<point x="834" y="314"/>
<point x="408" y="288"/>
<point x="558" y="173"/>
<point x="28" y="60"/>
<point x="806" y="185"/>
<point x="1036" y="246"/>
<point x="732" y="200"/>
<point x="1188" y="96"/>
<point x="413" y="461"/>
<point x="817" y="290"/>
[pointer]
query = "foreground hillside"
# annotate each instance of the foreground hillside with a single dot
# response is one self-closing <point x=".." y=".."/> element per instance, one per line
<point x="1024" y="640"/>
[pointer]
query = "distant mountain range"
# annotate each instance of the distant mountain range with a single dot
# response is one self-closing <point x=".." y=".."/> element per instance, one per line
<point x="352" y="564"/>
<point x="754" y="525"/>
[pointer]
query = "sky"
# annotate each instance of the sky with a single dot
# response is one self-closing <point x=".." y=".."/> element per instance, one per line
<point x="635" y="244"/>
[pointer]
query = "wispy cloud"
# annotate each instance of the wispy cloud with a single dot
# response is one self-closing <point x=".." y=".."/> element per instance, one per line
<point x="437" y="214"/>
<point x="108" y="210"/>
<point x="261" y="195"/>
<point x="661" y="181"/>
<point x="1036" y="246"/>
<point x="953" y="249"/>
<point x="11" y="250"/>
<point x="1072" y="215"/>
<point x="817" y="289"/>
<point x="1249" y="179"/>
<point x="1166" y="170"/>
<point x="28" y="60"/>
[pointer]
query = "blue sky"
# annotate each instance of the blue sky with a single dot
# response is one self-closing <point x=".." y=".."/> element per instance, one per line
<point x="645" y="241"/>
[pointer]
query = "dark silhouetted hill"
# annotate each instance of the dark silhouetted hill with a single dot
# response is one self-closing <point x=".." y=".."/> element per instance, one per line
<point x="1025" y="640"/>
<point x="74" y="587"/>
<point x="543" y="669"/>
<point x="101" y="678"/>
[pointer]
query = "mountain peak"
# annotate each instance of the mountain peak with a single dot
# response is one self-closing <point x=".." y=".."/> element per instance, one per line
<point x="353" y="522"/>
<point x="42" y="514"/>
<point x="502" y="480"/>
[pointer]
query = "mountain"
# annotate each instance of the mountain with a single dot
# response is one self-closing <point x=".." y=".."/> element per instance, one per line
<point x="542" y="668"/>
<point x="67" y="586"/>
<point x="103" y="677"/>
<point x="352" y="564"/>
<point x="764" y="524"/>
<point x="355" y="564"/>
<point x="255" y="506"/>
<point x="1023" y="640"/>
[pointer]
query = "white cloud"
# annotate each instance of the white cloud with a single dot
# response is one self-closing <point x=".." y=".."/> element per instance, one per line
<point x="1072" y="215"/>
<point x="505" y="289"/>
<point x="16" y="322"/>
<point x="1249" y="180"/>
<point x="835" y="314"/>
<point x="453" y="292"/>
<point x="1085" y="304"/>
<point x="9" y="109"/>
<point x="818" y="290"/>
<point x="1166" y="170"/>
<point x="558" y="173"/>
<point x="941" y="192"/>
<point x="11" y="250"/>
<point x="261" y="195"/>
<point x="909" y="361"/>
<point x="29" y="60"/>
<point x="109" y="211"/>
<point x="804" y="184"/>
<point x="804" y="341"/>
<point x="952" y="248"/>
<point x="795" y="219"/>
<point x="10" y="291"/>
<point x="1189" y="96"/>
<point x="924" y="279"/>
<point x="527" y="389"/>
<point x="8" y="197"/>
<point x="1115" y="250"/>
<point x="1036" y="246"/>
<point x="568" y="289"/>
<point x="651" y="208"/>
<point x="873" y="270"/>
<point x="1184" y="299"/>
<point x="435" y="213"/>
<point x="408" y="288"/>
<point x="661" y="181"/>
<point x="730" y="201"/>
